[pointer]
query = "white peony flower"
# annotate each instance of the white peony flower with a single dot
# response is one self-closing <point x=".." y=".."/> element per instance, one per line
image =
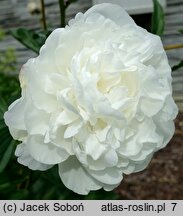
<point x="97" y="101"/>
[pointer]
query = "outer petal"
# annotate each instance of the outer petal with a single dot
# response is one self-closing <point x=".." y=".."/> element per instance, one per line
<point x="36" y="121"/>
<point x="45" y="152"/>
<point x="165" y="131"/>
<point x="111" y="11"/>
<point x="76" y="178"/>
<point x="51" y="44"/>
<point x="155" y="105"/>
<point x="14" y="119"/>
<point x="26" y="159"/>
<point x="109" y="176"/>
<point x="141" y="166"/>
<point x="110" y="187"/>
<point x="31" y="74"/>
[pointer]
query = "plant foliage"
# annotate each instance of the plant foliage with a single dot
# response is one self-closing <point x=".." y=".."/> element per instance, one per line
<point x="31" y="39"/>
<point x="158" y="19"/>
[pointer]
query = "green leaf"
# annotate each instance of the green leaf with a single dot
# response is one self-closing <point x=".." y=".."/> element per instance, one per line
<point x="25" y="37"/>
<point x="5" y="186"/>
<point x="181" y="31"/>
<point x="9" y="88"/>
<point x="2" y="124"/>
<point x="176" y="67"/>
<point x="7" y="155"/>
<point x="18" y="195"/>
<point x="31" y="39"/>
<point x="3" y="105"/>
<point x="158" y="19"/>
<point x="5" y="140"/>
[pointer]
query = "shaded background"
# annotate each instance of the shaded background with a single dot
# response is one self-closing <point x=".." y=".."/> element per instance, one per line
<point x="164" y="176"/>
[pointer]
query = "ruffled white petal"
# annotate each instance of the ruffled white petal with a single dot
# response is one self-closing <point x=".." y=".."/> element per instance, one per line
<point x="14" y="119"/>
<point x="110" y="11"/>
<point x="76" y="178"/>
<point x="36" y="121"/>
<point x="93" y="147"/>
<point x="26" y="159"/>
<point x="73" y="129"/>
<point x="109" y="176"/>
<point x="36" y="89"/>
<point x="45" y="152"/>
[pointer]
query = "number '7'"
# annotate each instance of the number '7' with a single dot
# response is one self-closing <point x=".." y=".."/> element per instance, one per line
<point x="174" y="204"/>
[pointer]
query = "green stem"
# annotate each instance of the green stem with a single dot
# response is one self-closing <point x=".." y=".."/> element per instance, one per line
<point x="62" y="13"/>
<point x="43" y="15"/>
